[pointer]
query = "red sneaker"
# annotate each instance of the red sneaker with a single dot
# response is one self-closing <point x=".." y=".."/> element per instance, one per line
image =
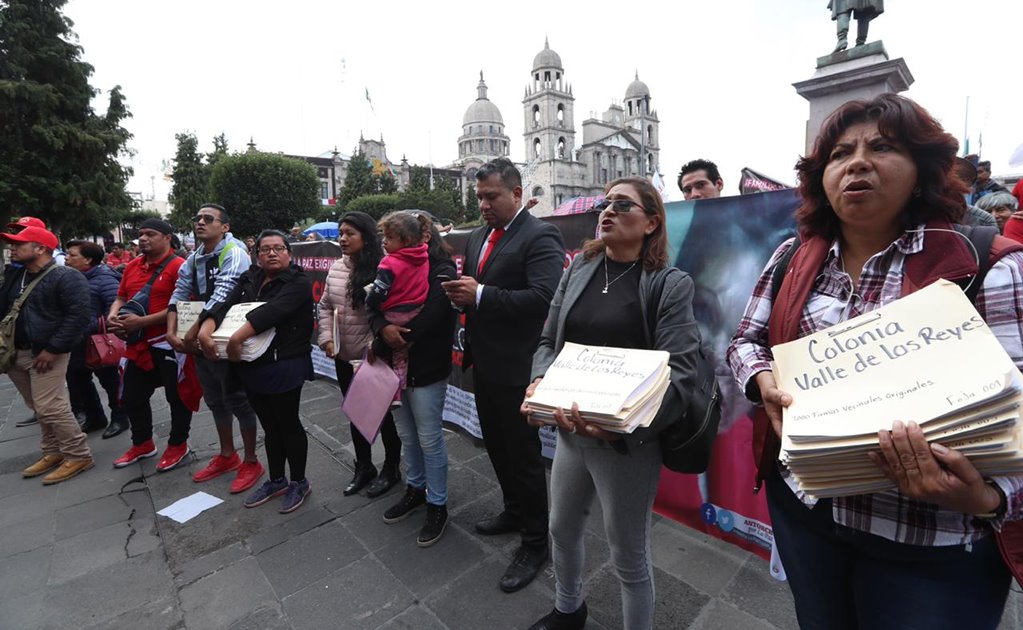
<point x="217" y="466"/>
<point x="135" y="453"/>
<point x="248" y="475"/>
<point x="174" y="455"/>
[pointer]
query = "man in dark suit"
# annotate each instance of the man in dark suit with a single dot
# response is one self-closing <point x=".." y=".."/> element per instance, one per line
<point x="512" y="268"/>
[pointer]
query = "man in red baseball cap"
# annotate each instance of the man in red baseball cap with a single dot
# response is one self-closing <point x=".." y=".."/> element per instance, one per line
<point x="16" y="226"/>
<point x="50" y="323"/>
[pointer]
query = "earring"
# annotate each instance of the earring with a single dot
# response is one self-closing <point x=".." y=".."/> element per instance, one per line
<point x="916" y="192"/>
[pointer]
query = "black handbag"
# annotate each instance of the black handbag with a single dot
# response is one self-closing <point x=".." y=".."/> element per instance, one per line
<point x="687" y="443"/>
<point x="139" y="303"/>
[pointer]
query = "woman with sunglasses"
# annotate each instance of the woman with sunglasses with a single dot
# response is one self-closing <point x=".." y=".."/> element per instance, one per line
<point x="274" y="380"/>
<point x="604" y="299"/>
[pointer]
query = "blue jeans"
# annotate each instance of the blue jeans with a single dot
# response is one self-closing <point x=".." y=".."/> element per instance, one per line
<point x="844" y="578"/>
<point x="418" y="421"/>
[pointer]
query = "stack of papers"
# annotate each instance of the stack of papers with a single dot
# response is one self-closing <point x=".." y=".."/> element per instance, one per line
<point x="253" y="347"/>
<point x="927" y="358"/>
<point x="188" y="314"/>
<point x="618" y="389"/>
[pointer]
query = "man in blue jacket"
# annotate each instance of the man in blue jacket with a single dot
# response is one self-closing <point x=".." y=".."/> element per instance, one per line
<point x="209" y="275"/>
<point x="48" y="326"/>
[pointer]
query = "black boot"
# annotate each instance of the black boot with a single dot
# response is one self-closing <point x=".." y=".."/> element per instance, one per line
<point x="364" y="473"/>
<point x="389" y="477"/>
<point x="561" y="621"/>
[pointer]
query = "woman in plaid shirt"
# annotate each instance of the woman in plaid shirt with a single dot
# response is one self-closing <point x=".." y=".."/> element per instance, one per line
<point x="879" y="196"/>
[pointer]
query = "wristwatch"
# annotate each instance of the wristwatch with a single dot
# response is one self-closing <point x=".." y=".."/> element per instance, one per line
<point x="1003" y="504"/>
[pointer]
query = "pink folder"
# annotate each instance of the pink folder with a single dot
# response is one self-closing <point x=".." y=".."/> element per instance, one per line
<point x="369" y="396"/>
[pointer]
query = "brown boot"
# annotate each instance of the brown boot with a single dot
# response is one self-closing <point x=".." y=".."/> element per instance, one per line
<point x="46" y="463"/>
<point x="67" y="470"/>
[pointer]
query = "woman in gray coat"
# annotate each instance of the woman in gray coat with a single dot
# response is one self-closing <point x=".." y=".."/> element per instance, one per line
<point x="611" y="291"/>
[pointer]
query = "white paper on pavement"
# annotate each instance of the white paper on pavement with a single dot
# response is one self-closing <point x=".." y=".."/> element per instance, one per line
<point x="186" y="509"/>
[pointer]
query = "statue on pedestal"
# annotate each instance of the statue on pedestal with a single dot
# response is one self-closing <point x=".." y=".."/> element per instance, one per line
<point x="863" y="11"/>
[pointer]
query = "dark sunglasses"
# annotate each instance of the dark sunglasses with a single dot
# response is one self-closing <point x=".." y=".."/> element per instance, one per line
<point x="620" y="206"/>
<point x="206" y="218"/>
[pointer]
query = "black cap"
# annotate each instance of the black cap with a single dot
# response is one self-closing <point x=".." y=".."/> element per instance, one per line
<point x="156" y="224"/>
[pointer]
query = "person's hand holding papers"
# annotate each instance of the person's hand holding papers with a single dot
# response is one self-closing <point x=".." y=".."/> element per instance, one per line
<point x="571" y="422"/>
<point x="774" y="399"/>
<point x="932" y="472"/>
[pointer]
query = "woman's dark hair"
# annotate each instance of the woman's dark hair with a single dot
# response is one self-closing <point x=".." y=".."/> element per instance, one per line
<point x="655" y="245"/>
<point x="272" y="233"/>
<point x="364" y="264"/>
<point x="88" y="249"/>
<point x="939" y="191"/>
<point x="437" y="248"/>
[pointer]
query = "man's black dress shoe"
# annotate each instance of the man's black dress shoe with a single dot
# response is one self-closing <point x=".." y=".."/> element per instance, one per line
<point x="561" y="621"/>
<point x="94" y="425"/>
<point x="527" y="563"/>
<point x="115" y="428"/>
<point x="503" y="523"/>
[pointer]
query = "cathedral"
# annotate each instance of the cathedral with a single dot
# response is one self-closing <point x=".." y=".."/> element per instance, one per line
<point x="558" y="166"/>
<point x="624" y="141"/>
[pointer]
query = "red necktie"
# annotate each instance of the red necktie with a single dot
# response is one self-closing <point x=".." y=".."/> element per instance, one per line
<point x="491" y="243"/>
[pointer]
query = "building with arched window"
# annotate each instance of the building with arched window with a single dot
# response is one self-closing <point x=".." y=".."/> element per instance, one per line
<point x="622" y="141"/>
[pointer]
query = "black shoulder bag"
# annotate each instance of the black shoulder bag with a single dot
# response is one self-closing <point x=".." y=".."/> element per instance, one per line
<point x="687" y="443"/>
<point x="139" y="303"/>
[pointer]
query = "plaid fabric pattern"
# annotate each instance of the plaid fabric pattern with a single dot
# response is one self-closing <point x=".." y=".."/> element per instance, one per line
<point x="833" y="300"/>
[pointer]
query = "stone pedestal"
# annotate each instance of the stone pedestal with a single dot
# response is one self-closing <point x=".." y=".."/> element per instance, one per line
<point x="860" y="72"/>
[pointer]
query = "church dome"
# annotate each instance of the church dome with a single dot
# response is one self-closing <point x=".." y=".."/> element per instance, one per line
<point x="637" y="89"/>
<point x="483" y="109"/>
<point x="547" y="58"/>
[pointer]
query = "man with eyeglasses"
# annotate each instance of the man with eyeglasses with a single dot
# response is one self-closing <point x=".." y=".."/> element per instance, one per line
<point x="209" y="275"/>
<point x="512" y="268"/>
<point x="152" y="362"/>
<point x="700" y="179"/>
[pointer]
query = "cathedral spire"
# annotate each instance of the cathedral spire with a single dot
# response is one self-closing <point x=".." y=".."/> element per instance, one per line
<point x="481" y="89"/>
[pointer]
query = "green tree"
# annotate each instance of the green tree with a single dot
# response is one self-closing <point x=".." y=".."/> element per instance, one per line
<point x="375" y="206"/>
<point x="447" y="189"/>
<point x="418" y="179"/>
<point x="189" y="182"/>
<point x="472" y="204"/>
<point x="264" y="190"/>
<point x="385" y="184"/>
<point x="219" y="151"/>
<point x="358" y="180"/>
<point x="59" y="157"/>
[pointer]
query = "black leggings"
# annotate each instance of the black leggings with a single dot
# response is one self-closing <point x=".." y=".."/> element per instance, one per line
<point x="388" y="432"/>
<point x="285" y="439"/>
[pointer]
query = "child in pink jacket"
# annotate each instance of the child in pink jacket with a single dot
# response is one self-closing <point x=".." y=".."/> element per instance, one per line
<point x="399" y="290"/>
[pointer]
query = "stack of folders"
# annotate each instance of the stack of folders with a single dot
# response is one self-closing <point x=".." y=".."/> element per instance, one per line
<point x="253" y="347"/>
<point x="927" y="358"/>
<point x="619" y="389"/>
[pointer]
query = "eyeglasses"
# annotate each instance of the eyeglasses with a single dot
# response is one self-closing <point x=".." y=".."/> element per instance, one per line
<point x="620" y="206"/>
<point x="205" y="218"/>
<point x="277" y="249"/>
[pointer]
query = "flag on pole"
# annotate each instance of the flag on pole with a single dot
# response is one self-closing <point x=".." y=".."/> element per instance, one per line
<point x="370" y="101"/>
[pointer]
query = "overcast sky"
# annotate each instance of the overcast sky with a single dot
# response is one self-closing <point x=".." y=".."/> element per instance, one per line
<point x="294" y="75"/>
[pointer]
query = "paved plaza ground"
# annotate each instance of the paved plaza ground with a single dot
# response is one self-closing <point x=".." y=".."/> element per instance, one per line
<point x="92" y="553"/>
